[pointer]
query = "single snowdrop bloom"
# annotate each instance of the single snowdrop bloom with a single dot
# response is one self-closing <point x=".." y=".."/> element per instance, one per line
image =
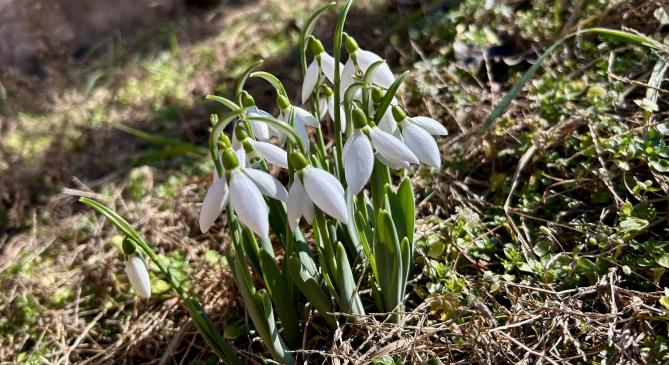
<point x="327" y="105"/>
<point x="302" y="119"/>
<point x="358" y="152"/>
<point x="419" y="140"/>
<point x="317" y="186"/>
<point x="244" y="187"/>
<point x="261" y="131"/>
<point x="254" y="151"/>
<point x="357" y="64"/>
<point x="387" y="122"/>
<point x="323" y="64"/>
<point x="138" y="276"/>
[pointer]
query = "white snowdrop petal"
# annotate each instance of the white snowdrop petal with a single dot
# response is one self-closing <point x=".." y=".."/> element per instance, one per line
<point x="382" y="75"/>
<point x="342" y="114"/>
<point x="274" y="155"/>
<point x="392" y="164"/>
<point x="366" y="59"/>
<point x="308" y="211"/>
<point x="322" y="107"/>
<point x="236" y="144"/>
<point x="358" y="161"/>
<point x="422" y="144"/>
<point x="267" y="184"/>
<point x="328" y="66"/>
<point x="326" y="192"/>
<point x="138" y="275"/>
<point x="391" y="148"/>
<point x="306" y="117"/>
<point x="331" y="109"/>
<point x="310" y="80"/>
<point x="430" y="125"/>
<point x="249" y="204"/>
<point x="254" y="111"/>
<point x="260" y="130"/>
<point x="302" y="132"/>
<point x="241" y="156"/>
<point x="347" y="74"/>
<point x="297" y="202"/>
<point x="213" y="204"/>
<point x="387" y="122"/>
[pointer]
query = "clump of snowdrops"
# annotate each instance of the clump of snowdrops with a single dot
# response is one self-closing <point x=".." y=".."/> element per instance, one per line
<point x="354" y="198"/>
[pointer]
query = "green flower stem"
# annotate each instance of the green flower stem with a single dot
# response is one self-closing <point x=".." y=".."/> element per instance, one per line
<point x="203" y="323"/>
<point x="339" y="164"/>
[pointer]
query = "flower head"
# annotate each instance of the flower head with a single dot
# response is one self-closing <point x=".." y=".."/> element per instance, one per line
<point x="417" y="137"/>
<point x="138" y="275"/>
<point x="358" y="152"/>
<point x="244" y="187"/>
<point x="317" y="186"/>
<point x="302" y="118"/>
<point x="357" y="64"/>
<point x="254" y="151"/>
<point x="322" y="64"/>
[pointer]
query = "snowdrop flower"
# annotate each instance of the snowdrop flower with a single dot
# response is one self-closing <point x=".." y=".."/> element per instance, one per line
<point x="244" y="187"/>
<point x="358" y="152"/>
<point x="312" y="185"/>
<point x="302" y="119"/>
<point x="138" y="275"/>
<point x="327" y="105"/>
<point x="358" y="62"/>
<point x="417" y="135"/>
<point x="256" y="150"/>
<point x="323" y="64"/>
<point x="261" y="131"/>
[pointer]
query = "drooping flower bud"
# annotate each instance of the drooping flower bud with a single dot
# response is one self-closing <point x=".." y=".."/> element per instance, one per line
<point x="350" y="43"/>
<point x="247" y="100"/>
<point x="224" y="140"/>
<point x="230" y="160"/>
<point x="138" y="275"/>
<point x="298" y="160"/>
<point x="359" y="118"/>
<point x="327" y="91"/>
<point x="398" y="114"/>
<point x="315" y="46"/>
<point x="282" y="102"/>
<point x="240" y="133"/>
<point x="377" y="94"/>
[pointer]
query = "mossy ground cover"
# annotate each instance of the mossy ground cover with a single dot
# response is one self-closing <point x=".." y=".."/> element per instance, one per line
<point x="541" y="239"/>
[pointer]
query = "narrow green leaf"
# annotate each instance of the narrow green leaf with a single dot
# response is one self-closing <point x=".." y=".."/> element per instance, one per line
<point x="367" y="78"/>
<point x="348" y="289"/>
<point x="388" y="97"/>
<point x="225" y="101"/>
<point x="285" y="306"/>
<point x="250" y="246"/>
<point x="161" y="140"/>
<point x="388" y="260"/>
<point x="272" y="80"/>
<point x="352" y="228"/>
<point x="239" y="87"/>
<point x="309" y="287"/>
<point x="306" y="32"/>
